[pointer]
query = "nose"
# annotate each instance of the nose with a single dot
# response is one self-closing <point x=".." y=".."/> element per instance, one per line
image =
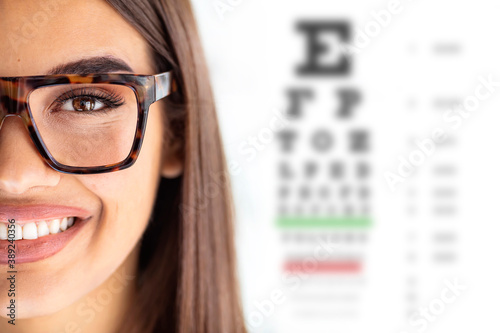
<point x="21" y="166"/>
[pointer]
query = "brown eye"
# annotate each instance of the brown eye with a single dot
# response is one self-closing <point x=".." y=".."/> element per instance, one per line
<point x="83" y="104"/>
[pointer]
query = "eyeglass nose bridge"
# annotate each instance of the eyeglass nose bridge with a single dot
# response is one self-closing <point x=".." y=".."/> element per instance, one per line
<point x="12" y="100"/>
<point x="2" y="119"/>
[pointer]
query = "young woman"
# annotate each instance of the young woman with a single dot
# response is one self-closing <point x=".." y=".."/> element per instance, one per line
<point x="112" y="174"/>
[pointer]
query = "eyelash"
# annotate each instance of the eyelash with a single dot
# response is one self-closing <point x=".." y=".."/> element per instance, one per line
<point x="111" y="100"/>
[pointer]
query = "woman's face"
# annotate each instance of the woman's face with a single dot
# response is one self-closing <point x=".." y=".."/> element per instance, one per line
<point x="36" y="38"/>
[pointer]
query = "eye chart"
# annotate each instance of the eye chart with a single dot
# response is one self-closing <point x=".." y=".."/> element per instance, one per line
<point x="360" y="139"/>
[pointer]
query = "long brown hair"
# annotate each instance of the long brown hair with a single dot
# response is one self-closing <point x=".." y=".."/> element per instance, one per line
<point x="187" y="280"/>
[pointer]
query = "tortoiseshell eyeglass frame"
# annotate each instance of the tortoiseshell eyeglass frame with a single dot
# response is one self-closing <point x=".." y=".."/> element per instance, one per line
<point x="15" y="92"/>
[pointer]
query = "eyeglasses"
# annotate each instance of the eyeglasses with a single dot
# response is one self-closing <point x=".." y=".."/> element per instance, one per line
<point x="84" y="124"/>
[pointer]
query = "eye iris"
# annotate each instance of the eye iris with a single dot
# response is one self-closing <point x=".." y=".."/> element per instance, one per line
<point x="83" y="104"/>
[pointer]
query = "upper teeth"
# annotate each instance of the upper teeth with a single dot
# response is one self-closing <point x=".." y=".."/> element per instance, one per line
<point x="33" y="230"/>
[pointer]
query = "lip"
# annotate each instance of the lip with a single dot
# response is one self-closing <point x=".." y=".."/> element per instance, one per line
<point x="35" y="213"/>
<point x="31" y="250"/>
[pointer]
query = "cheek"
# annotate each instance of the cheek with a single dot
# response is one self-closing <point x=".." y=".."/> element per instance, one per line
<point x="128" y="195"/>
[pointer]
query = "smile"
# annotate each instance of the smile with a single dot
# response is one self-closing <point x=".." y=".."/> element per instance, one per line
<point x="35" y="230"/>
<point x="41" y="231"/>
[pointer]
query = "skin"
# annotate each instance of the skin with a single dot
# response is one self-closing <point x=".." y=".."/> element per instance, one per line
<point x="61" y="293"/>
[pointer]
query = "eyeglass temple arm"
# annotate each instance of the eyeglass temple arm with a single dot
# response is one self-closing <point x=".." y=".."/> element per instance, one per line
<point x="164" y="85"/>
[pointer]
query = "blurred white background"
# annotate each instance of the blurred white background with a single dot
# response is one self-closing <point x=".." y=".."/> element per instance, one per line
<point x="421" y="67"/>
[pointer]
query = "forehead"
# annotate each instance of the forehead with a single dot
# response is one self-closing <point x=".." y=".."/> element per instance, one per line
<point x="36" y="36"/>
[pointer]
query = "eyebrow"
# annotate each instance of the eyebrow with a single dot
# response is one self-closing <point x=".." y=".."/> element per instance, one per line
<point x="94" y="65"/>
